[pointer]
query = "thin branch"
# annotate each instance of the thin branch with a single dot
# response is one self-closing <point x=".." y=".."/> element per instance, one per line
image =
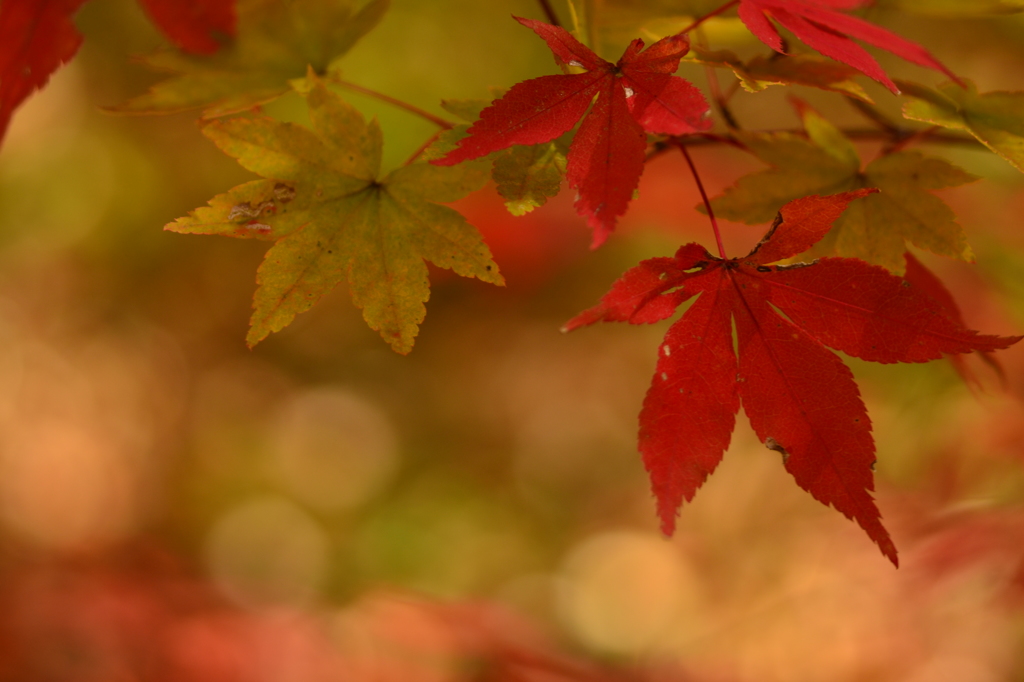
<point x="659" y="147"/>
<point x="713" y="13"/>
<point x="703" y="196"/>
<point x="721" y="102"/>
<point x="549" y="12"/>
<point x="900" y="138"/>
<point x="928" y="135"/>
<point x="716" y="89"/>
<point x="423" y="147"/>
<point x="873" y="115"/>
<point x="903" y="136"/>
<point x="412" y="109"/>
<point x="900" y="143"/>
<point x="732" y="89"/>
<point x="591" y="23"/>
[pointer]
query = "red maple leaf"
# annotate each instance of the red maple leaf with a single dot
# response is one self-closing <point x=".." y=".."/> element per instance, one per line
<point x="636" y="94"/>
<point x="36" y="37"/>
<point x="927" y="282"/>
<point x="193" y="25"/>
<point x="800" y="398"/>
<point x="820" y="26"/>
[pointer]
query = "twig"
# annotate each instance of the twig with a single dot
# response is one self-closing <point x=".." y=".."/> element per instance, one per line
<point x="905" y="140"/>
<point x="423" y="147"/>
<point x="713" y="13"/>
<point x="412" y="109"/>
<point x="549" y="12"/>
<point x="924" y="136"/>
<point x="703" y="196"/>
<point x="873" y="115"/>
<point x="716" y="90"/>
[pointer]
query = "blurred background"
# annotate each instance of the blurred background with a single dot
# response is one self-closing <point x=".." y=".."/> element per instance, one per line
<point x="175" y="506"/>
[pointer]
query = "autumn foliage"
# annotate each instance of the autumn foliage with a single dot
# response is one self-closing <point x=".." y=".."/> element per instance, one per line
<point x="636" y="95"/>
<point x="800" y="398"/>
<point x="822" y="25"/>
<point x="38" y="36"/>
<point x="834" y="273"/>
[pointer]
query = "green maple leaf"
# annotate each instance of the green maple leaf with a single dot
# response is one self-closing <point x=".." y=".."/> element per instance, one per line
<point x="875" y="228"/>
<point x="759" y="72"/>
<point x="276" y="41"/>
<point x="995" y="118"/>
<point x="447" y="140"/>
<point x="334" y="218"/>
<point x="526" y="175"/>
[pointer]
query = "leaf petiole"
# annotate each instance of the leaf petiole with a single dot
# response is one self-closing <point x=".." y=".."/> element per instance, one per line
<point x="422" y="148"/>
<point x="875" y="116"/>
<point x="713" y="13"/>
<point x="549" y="12"/>
<point x="411" y="108"/>
<point x="902" y="141"/>
<point x="721" y="101"/>
<point x="703" y="196"/>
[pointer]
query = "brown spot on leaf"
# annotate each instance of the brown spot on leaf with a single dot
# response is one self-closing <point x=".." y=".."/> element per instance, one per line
<point x="284" y="193"/>
<point x="773" y="444"/>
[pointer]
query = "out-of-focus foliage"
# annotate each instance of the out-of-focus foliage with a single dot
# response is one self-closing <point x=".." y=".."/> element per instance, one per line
<point x="277" y="43"/>
<point x="761" y="71"/>
<point x="992" y="117"/>
<point x="173" y="504"/>
<point x="823" y="161"/>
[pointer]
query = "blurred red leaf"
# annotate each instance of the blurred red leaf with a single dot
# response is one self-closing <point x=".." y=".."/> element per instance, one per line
<point x="970" y="539"/>
<point x="36" y="37"/>
<point x="606" y="158"/>
<point x="925" y="280"/>
<point x="820" y="25"/>
<point x="193" y="25"/>
<point x="136" y="614"/>
<point x="800" y="398"/>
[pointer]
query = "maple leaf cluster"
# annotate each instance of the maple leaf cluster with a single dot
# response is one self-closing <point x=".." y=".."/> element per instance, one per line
<point x="336" y="216"/>
<point x="38" y="36"/>
<point x="636" y="95"/>
<point x="800" y="398"/>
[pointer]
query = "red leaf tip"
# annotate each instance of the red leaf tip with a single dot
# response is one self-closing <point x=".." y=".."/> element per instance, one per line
<point x="822" y="26"/>
<point x="36" y="38"/>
